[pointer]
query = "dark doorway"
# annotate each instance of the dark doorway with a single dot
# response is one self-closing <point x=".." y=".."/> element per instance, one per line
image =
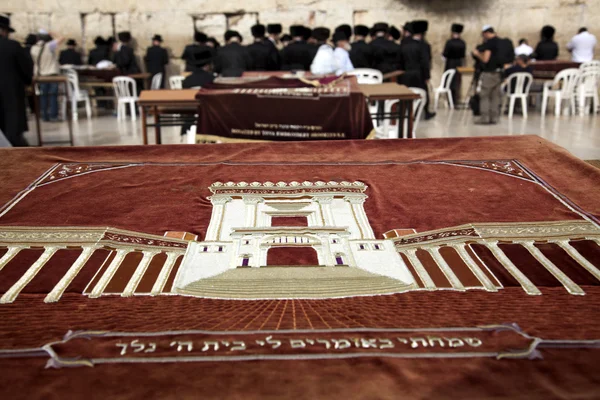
<point x="292" y="256"/>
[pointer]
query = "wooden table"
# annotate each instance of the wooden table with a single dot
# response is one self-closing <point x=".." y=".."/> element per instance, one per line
<point x="391" y="76"/>
<point x="393" y="91"/>
<point x="61" y="80"/>
<point x="169" y="108"/>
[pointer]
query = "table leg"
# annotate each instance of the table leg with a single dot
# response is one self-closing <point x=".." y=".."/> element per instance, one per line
<point x="36" y="111"/>
<point x="144" y="126"/>
<point x="410" y="116"/>
<point x="69" y="117"/>
<point x="157" y="125"/>
<point x="401" y="113"/>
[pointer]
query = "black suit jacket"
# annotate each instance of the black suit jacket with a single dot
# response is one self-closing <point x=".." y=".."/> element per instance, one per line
<point x="16" y="71"/>
<point x="98" y="54"/>
<point x="264" y="56"/>
<point x="125" y="60"/>
<point x="546" y="50"/>
<point x="361" y="55"/>
<point x="232" y="60"/>
<point x="385" y="54"/>
<point x="414" y="61"/>
<point x="69" y="56"/>
<point x="156" y="59"/>
<point x="188" y="55"/>
<point x="297" y="56"/>
<point x="455" y="52"/>
<point x="199" y="77"/>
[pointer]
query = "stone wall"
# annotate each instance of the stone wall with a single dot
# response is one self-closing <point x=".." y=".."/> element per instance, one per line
<point x="175" y="19"/>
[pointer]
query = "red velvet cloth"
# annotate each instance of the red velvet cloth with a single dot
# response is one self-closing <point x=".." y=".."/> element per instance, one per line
<point x="411" y="185"/>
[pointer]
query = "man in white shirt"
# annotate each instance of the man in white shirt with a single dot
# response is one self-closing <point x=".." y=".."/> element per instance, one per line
<point x="324" y="62"/>
<point x="45" y="60"/>
<point x="341" y="53"/>
<point x="523" y="49"/>
<point x="582" y="46"/>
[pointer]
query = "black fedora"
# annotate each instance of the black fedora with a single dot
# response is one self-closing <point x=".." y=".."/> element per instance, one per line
<point x="157" y="38"/>
<point x="5" y="22"/>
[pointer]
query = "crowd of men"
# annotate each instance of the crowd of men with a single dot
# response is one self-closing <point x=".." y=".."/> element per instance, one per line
<point x="321" y="51"/>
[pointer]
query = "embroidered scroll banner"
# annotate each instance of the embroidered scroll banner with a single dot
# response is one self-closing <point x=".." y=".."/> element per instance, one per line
<point x="89" y="348"/>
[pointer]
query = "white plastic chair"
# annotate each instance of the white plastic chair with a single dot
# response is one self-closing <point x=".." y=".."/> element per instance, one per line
<point x="444" y="88"/>
<point x="418" y="105"/>
<point x="126" y="93"/>
<point x="76" y="95"/>
<point x="156" y="81"/>
<point x="176" y="82"/>
<point x="366" y="76"/>
<point x="562" y="87"/>
<point x="587" y="88"/>
<point x="522" y="83"/>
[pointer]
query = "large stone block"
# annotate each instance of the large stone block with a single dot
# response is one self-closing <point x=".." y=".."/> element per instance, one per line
<point x="212" y="24"/>
<point x="96" y="24"/>
<point x="67" y="25"/>
<point x="242" y="23"/>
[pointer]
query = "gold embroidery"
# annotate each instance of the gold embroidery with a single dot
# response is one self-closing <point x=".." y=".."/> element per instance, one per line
<point x="159" y="285"/>
<point x="109" y="273"/>
<point x="62" y="285"/>
<point x="139" y="273"/>
<point x="479" y="274"/>
<point x="572" y="251"/>
<point x="450" y="275"/>
<point x="527" y="285"/>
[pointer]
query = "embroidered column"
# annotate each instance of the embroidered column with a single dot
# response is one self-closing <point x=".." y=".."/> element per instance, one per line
<point x="571" y="286"/>
<point x="572" y="251"/>
<point x="12" y="293"/>
<point x="216" y="219"/>
<point x="326" y="250"/>
<point x="251" y="208"/>
<point x="10" y="254"/>
<point x="358" y="211"/>
<point x="139" y="272"/>
<point x="109" y="273"/>
<point x="450" y="275"/>
<point x="164" y="274"/>
<point x="411" y="254"/>
<point x="479" y="274"/>
<point x="324" y="203"/>
<point x="525" y="283"/>
<point x="61" y="286"/>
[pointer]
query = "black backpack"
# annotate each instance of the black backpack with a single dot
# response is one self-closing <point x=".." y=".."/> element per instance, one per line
<point x="506" y="51"/>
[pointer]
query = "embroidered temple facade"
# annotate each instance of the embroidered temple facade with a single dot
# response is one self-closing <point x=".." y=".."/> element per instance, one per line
<point x="241" y="231"/>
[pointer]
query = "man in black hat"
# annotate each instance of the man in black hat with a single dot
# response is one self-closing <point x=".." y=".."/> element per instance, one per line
<point x="546" y="49"/>
<point x="394" y="34"/>
<point x="233" y="58"/>
<point x="419" y="30"/>
<point x="157" y="58"/>
<point x="297" y="55"/>
<point x="264" y="54"/>
<point x="16" y="72"/>
<point x="324" y="61"/>
<point x="285" y="40"/>
<point x="345" y="29"/>
<point x="385" y="52"/>
<point x="200" y="44"/>
<point x="361" y="54"/>
<point x="455" y="53"/>
<point x="98" y="53"/>
<point x="414" y="61"/>
<point x="124" y="57"/>
<point x="203" y="70"/>
<point x="273" y="33"/>
<point x="70" y="56"/>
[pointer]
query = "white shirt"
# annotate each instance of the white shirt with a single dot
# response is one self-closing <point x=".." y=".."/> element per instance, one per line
<point x="582" y="47"/>
<point x="343" y="61"/>
<point x="324" y="62"/>
<point x="523" y="49"/>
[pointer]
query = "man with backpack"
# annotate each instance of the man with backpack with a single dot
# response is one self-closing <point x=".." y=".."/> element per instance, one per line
<point x="493" y="55"/>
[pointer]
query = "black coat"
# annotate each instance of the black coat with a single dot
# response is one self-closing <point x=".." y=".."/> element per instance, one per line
<point x="232" y="60"/>
<point x="361" y="55"/>
<point x="546" y="50"/>
<point x="16" y="71"/>
<point x="276" y="54"/>
<point x="199" y="77"/>
<point x="188" y="55"/>
<point x="98" y="54"/>
<point x="414" y="61"/>
<point x="455" y="53"/>
<point x="297" y="56"/>
<point x="385" y="55"/>
<point x="156" y="59"/>
<point x="70" y="56"/>
<point x="264" y="56"/>
<point x="125" y="60"/>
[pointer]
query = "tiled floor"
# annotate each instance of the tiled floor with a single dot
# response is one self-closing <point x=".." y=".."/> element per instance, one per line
<point x="580" y="135"/>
